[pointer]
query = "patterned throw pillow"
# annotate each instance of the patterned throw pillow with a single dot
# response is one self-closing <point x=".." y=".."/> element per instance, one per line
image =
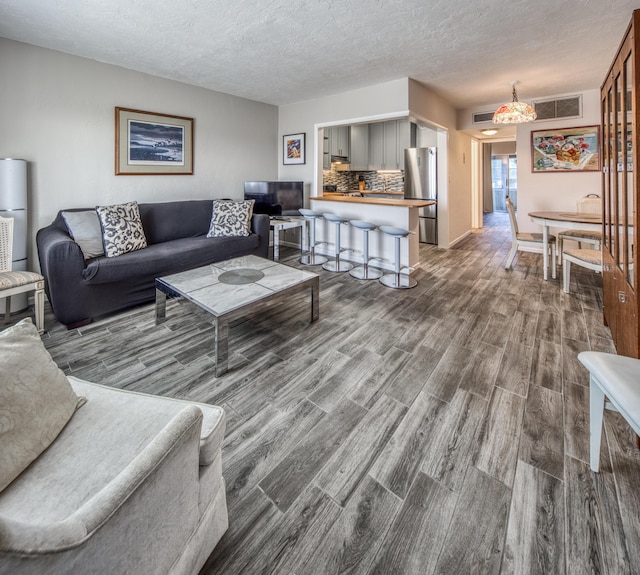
<point x="230" y="218"/>
<point x="122" y="229"/>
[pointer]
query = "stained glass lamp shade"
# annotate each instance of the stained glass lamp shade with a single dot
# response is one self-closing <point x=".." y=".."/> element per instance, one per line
<point x="514" y="112"/>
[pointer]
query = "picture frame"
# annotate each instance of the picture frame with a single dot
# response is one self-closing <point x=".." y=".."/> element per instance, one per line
<point x="566" y="150"/>
<point x="152" y="144"/>
<point x="294" y="149"/>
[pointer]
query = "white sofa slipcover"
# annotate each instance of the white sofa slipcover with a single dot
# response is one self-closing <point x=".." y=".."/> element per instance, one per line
<point x="133" y="484"/>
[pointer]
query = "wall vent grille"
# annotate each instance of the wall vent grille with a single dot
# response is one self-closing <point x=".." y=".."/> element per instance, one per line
<point x="570" y="107"/>
<point x="481" y="117"/>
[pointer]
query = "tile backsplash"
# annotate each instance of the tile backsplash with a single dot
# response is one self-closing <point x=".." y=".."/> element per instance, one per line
<point x="373" y="180"/>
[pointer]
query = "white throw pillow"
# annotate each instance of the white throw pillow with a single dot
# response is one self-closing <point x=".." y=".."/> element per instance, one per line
<point x="84" y="228"/>
<point x="230" y="218"/>
<point x="122" y="230"/>
<point x="36" y="400"/>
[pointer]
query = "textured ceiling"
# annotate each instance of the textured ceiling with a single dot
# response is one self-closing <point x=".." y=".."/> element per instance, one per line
<point x="279" y="52"/>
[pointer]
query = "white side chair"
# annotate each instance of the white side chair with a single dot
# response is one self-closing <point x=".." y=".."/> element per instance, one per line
<point x="613" y="384"/>
<point x="591" y="204"/>
<point x="528" y="242"/>
<point x="590" y="259"/>
<point x="17" y="282"/>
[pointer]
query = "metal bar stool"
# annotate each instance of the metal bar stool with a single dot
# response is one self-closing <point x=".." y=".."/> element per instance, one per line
<point x="397" y="280"/>
<point x="337" y="265"/>
<point x="364" y="272"/>
<point x="311" y="259"/>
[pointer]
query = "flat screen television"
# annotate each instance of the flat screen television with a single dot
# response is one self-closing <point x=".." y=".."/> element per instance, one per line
<point x="275" y="198"/>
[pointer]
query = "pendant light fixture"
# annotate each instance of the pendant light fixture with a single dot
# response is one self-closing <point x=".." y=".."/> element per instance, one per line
<point x="514" y="112"/>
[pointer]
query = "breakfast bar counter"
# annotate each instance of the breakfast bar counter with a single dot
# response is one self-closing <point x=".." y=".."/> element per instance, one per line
<point x="396" y="212"/>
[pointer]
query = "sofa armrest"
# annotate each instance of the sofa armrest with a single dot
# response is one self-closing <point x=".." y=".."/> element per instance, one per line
<point x="61" y="263"/>
<point x="260" y="226"/>
<point x="169" y="464"/>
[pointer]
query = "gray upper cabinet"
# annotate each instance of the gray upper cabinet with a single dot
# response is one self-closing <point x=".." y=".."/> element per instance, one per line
<point x="326" y="152"/>
<point x="391" y="145"/>
<point x="360" y="148"/>
<point x="387" y="141"/>
<point x="376" y="146"/>
<point x="339" y="141"/>
<point x="404" y="141"/>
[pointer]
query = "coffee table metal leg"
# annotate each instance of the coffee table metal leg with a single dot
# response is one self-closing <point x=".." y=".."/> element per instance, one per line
<point x="222" y="347"/>
<point x="315" y="300"/>
<point x="161" y="306"/>
<point x="276" y="244"/>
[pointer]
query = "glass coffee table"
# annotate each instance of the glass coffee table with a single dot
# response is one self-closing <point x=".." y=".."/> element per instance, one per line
<point x="233" y="289"/>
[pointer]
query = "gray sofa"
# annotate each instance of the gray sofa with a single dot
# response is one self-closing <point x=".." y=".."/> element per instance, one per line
<point x="80" y="289"/>
<point x="132" y="484"/>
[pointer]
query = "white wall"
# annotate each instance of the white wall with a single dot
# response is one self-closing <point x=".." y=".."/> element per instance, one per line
<point x="547" y="191"/>
<point x="454" y="167"/>
<point x="57" y="112"/>
<point x="386" y="98"/>
<point x="400" y="98"/>
<point x="554" y="191"/>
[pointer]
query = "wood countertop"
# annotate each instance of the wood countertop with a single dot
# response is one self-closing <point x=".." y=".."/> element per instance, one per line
<point x="397" y="202"/>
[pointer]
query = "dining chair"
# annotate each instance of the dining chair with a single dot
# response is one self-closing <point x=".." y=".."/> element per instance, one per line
<point x="613" y="384"/>
<point x="587" y="205"/>
<point x="590" y="259"/>
<point x="528" y="242"/>
<point x="17" y="282"/>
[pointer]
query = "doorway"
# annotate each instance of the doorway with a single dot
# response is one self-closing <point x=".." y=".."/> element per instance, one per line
<point x="504" y="180"/>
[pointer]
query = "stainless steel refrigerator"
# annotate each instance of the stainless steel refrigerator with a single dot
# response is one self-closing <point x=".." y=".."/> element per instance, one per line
<point x="421" y="182"/>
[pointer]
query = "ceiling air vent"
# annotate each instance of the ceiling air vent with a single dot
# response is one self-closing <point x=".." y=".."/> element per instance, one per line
<point x="481" y="117"/>
<point x="570" y="107"/>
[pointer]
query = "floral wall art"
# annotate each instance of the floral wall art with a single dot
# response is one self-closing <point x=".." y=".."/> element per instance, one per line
<point x="566" y="150"/>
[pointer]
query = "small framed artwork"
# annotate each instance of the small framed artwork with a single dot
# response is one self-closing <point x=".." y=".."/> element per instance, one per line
<point x="148" y="143"/>
<point x="566" y="150"/>
<point x="293" y="149"/>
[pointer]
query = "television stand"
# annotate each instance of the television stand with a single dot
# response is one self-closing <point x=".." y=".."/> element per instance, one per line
<point x="279" y="223"/>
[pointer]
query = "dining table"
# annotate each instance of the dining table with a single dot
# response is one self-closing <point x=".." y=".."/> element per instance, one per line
<point x="565" y="220"/>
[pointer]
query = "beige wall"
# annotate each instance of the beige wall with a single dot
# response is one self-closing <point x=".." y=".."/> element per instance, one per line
<point x="57" y="112"/>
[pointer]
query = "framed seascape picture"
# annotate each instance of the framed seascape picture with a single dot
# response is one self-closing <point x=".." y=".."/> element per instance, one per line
<point x="293" y="149"/>
<point x="566" y="150"/>
<point x="153" y="144"/>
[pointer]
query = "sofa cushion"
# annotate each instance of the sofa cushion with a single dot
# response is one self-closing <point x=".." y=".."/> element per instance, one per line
<point x="166" y="221"/>
<point x="84" y="228"/>
<point x="122" y="230"/>
<point x="230" y="219"/>
<point x="142" y="267"/>
<point x="36" y="400"/>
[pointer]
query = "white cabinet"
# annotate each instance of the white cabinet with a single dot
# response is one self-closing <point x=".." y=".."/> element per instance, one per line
<point x="360" y="148"/>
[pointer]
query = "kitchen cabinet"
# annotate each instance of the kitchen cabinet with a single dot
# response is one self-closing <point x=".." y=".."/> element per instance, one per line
<point x="359" y="147"/>
<point x="621" y="192"/>
<point x="339" y="141"/>
<point x="387" y="142"/>
<point x="326" y="152"/>
<point x="376" y="146"/>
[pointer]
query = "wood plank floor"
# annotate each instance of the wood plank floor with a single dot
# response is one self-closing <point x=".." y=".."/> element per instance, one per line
<point x="442" y="429"/>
